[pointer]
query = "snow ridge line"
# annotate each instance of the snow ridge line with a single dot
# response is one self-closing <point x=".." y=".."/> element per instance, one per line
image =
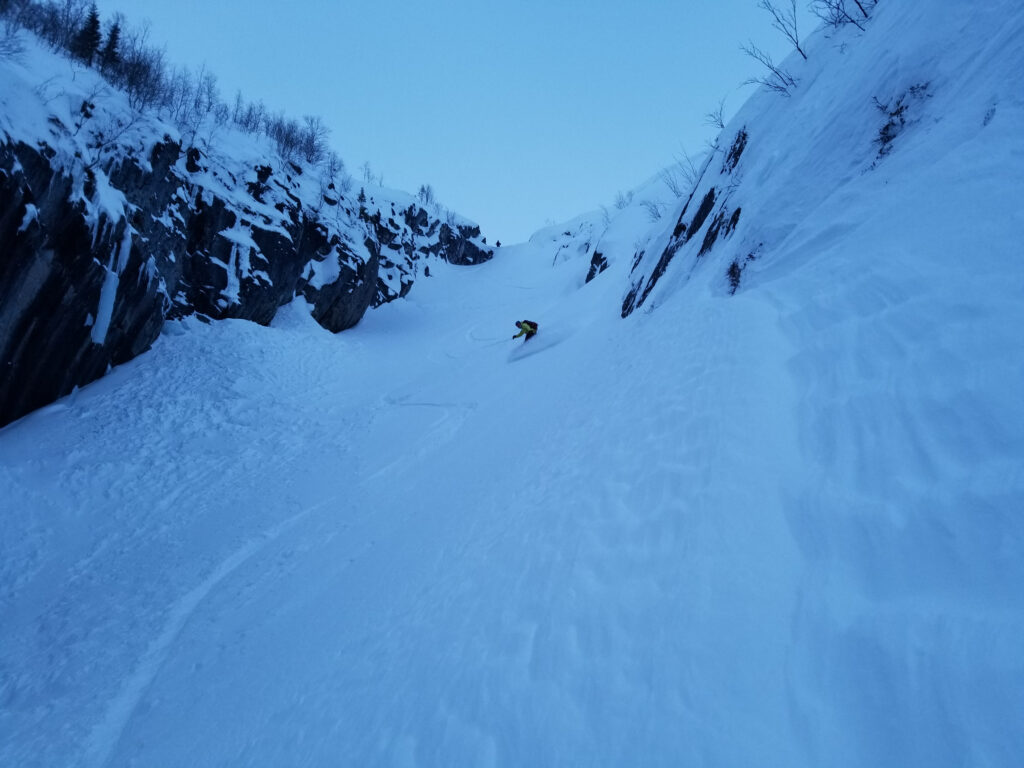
<point x="108" y="733"/>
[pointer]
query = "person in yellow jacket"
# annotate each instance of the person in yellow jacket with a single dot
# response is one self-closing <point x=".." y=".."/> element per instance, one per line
<point x="526" y="328"/>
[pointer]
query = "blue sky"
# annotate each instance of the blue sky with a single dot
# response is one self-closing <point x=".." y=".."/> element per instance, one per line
<point x="519" y="114"/>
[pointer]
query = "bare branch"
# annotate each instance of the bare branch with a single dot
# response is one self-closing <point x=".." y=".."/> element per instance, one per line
<point x="688" y="167"/>
<point x="777" y="79"/>
<point x="715" y="117"/>
<point x="784" y="20"/>
<point x="654" y="209"/>
<point x="834" y="12"/>
<point x="671" y="179"/>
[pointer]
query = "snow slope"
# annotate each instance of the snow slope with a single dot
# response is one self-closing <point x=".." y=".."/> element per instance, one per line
<point x="782" y="527"/>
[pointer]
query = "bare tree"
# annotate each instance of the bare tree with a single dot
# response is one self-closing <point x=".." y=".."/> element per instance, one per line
<point x="179" y="94"/>
<point x="688" y="167"/>
<point x="285" y="133"/>
<point x="835" y="13"/>
<point x="15" y="14"/>
<point x="189" y="100"/>
<point x="654" y="209"/>
<point x="313" y="139"/>
<point x="425" y="194"/>
<point x="70" y="17"/>
<point x="784" y="20"/>
<point x="58" y="23"/>
<point x="143" y="70"/>
<point x="681" y="176"/>
<point x="335" y="175"/>
<point x="863" y="5"/>
<point x="777" y="79"/>
<point x="237" y="108"/>
<point x="670" y="178"/>
<point x="334" y="166"/>
<point x="221" y="113"/>
<point x="207" y="93"/>
<point x="345" y="182"/>
<point x="715" y="118"/>
<point x="205" y="99"/>
<point x="251" y="118"/>
<point x="102" y="139"/>
<point x="623" y="199"/>
<point x="192" y="101"/>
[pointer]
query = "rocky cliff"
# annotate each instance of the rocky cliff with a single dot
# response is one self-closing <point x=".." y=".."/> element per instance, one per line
<point x="112" y="223"/>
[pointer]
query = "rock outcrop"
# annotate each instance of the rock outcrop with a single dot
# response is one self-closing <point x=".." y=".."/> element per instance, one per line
<point x="715" y="199"/>
<point x="101" y="243"/>
<point x="77" y="292"/>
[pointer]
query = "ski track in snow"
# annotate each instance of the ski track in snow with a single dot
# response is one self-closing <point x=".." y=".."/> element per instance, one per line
<point x="106" y="735"/>
<point x="168" y="447"/>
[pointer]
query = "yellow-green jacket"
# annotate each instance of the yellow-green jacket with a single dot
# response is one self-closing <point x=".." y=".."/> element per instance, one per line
<point x="526" y="327"/>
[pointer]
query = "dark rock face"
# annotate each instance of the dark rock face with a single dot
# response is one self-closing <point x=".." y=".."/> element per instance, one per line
<point x="341" y="304"/>
<point x="735" y="151"/>
<point x="455" y="245"/>
<point x="722" y="225"/>
<point x="405" y="238"/>
<point x="94" y="258"/>
<point x="598" y="264"/>
<point x="706" y="206"/>
<point x="77" y="294"/>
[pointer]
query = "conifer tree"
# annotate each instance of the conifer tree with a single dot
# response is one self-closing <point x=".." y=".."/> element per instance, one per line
<point x="87" y="42"/>
<point x="110" y="57"/>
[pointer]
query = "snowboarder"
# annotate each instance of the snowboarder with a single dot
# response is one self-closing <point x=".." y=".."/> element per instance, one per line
<point x="527" y="327"/>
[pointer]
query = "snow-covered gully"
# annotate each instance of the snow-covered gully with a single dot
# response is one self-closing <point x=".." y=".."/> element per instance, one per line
<point x="769" y="521"/>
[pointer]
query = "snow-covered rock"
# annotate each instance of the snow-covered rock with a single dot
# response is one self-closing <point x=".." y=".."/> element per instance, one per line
<point x="110" y="223"/>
